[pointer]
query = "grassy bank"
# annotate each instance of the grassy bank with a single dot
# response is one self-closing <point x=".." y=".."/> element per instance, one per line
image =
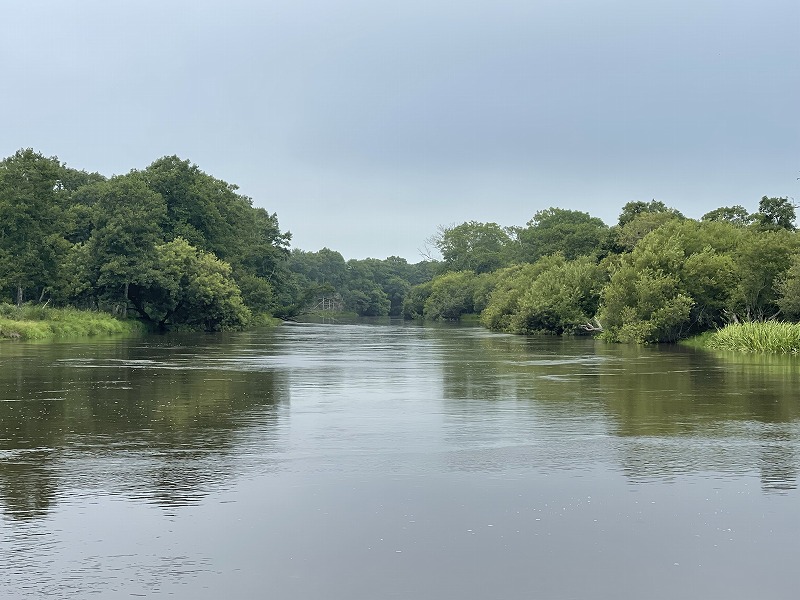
<point x="263" y="320"/>
<point x="772" y="337"/>
<point x="41" y="323"/>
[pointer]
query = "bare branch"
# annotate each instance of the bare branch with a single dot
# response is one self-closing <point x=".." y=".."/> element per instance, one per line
<point x="596" y="326"/>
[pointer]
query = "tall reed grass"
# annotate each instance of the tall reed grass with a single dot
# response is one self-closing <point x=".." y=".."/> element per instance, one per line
<point x="41" y="322"/>
<point x="774" y="337"/>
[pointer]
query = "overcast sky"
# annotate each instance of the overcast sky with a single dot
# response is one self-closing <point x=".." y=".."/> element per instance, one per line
<point x="366" y="124"/>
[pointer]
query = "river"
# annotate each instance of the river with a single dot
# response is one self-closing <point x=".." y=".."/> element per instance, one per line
<point x="318" y="461"/>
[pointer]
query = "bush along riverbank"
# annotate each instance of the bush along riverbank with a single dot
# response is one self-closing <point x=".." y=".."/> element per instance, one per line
<point x="765" y="337"/>
<point x="42" y="323"/>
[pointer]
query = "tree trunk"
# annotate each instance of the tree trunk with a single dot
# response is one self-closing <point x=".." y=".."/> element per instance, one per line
<point x="19" y="295"/>
<point x="140" y="309"/>
<point x="125" y="306"/>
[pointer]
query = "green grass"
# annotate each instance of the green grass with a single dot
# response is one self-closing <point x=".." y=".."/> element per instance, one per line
<point x="42" y="323"/>
<point x="772" y="337"/>
<point x="701" y="340"/>
<point x="263" y="320"/>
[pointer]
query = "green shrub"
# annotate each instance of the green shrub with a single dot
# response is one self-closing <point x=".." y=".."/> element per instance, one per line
<point x="561" y="299"/>
<point x="644" y="306"/>
<point x="452" y="295"/>
<point x="551" y="296"/>
<point x="414" y="302"/>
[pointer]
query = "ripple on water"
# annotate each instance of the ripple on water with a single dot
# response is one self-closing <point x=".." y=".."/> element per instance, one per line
<point x="200" y="464"/>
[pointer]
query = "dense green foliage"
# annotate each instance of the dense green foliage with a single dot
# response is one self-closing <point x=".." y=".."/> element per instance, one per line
<point x="473" y="246"/>
<point x="172" y="246"/>
<point x="188" y="286"/>
<point x="553" y="295"/>
<point x="655" y="276"/>
<point x="369" y="287"/>
<point x="569" y="232"/>
<point x="176" y="247"/>
<point x="31" y="214"/>
<point x="787" y="286"/>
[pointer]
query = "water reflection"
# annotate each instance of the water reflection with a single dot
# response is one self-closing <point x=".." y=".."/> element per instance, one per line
<point x="168" y="419"/>
<point x="394" y="460"/>
<point x="158" y="421"/>
<point x="670" y="410"/>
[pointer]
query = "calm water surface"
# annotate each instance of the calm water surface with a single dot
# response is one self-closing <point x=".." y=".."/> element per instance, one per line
<point x="395" y="461"/>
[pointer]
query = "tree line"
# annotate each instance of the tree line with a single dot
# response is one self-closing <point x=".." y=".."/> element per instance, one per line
<point x="172" y="246"/>
<point x="654" y="276"/>
<point x="170" y="243"/>
<point x="176" y="247"/>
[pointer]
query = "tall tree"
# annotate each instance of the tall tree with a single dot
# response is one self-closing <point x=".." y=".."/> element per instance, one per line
<point x="775" y="213"/>
<point x="260" y="261"/>
<point x="635" y="229"/>
<point x="129" y="219"/>
<point x="762" y="258"/>
<point x="211" y="215"/>
<point x="571" y="232"/>
<point x="207" y="212"/>
<point x="31" y="246"/>
<point x="325" y="266"/>
<point x="473" y="246"/>
<point x="631" y="210"/>
<point x="735" y="215"/>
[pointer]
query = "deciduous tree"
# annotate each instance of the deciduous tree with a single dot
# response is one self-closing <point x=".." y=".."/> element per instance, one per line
<point x="735" y="215"/>
<point x="474" y="246"/>
<point x="31" y="243"/>
<point x="187" y="286"/>
<point x="572" y="233"/>
<point x="775" y="213"/>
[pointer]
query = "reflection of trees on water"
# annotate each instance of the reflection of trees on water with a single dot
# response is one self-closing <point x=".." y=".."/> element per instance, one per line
<point x="778" y="459"/>
<point x="155" y="422"/>
<point x="28" y="486"/>
<point x="700" y="412"/>
<point x="671" y="410"/>
<point x="521" y="391"/>
<point x="169" y="421"/>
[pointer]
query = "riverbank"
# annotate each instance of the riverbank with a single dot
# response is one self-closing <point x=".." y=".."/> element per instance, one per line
<point x="42" y="323"/>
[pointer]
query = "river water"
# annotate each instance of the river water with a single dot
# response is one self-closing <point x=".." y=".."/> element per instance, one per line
<point x="374" y="461"/>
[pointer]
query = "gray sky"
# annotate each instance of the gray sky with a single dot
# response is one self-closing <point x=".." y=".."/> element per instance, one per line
<point x="366" y="124"/>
